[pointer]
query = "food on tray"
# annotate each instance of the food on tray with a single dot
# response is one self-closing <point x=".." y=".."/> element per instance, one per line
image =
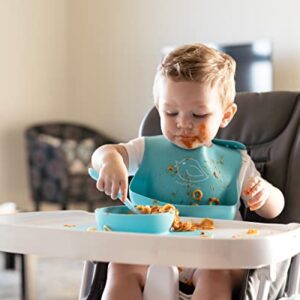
<point x="205" y="224"/>
<point x="178" y="225"/>
<point x="91" y="229"/>
<point x="252" y="231"/>
<point x="207" y="235"/>
<point x="69" y="225"/>
<point x="213" y="201"/>
<point x="236" y="236"/>
<point x="197" y="194"/>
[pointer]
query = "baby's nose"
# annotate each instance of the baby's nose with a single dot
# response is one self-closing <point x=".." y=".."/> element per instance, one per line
<point x="184" y="123"/>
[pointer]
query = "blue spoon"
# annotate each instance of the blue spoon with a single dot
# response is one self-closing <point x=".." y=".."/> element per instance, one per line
<point x="95" y="175"/>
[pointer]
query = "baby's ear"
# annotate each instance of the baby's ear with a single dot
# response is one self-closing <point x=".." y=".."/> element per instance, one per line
<point x="228" y="114"/>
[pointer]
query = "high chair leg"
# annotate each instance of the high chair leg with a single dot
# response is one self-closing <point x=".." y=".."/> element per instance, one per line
<point x="294" y="277"/>
<point x="161" y="283"/>
<point x="86" y="279"/>
<point x="266" y="275"/>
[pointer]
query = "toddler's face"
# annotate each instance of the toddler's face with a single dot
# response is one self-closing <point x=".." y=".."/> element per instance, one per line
<point x="191" y="113"/>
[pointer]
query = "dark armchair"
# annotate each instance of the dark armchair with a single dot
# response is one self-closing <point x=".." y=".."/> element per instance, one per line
<point x="59" y="155"/>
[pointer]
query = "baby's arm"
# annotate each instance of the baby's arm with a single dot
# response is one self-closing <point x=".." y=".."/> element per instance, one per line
<point x="258" y="194"/>
<point x="111" y="161"/>
<point x="263" y="198"/>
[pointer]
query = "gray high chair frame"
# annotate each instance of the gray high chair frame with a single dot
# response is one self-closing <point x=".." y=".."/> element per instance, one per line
<point x="268" y="124"/>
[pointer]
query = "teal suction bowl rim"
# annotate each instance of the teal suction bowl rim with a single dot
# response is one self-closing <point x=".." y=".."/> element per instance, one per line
<point x="124" y="210"/>
<point x="118" y="219"/>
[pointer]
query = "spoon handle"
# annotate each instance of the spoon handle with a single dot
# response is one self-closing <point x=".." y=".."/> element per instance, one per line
<point x="95" y="175"/>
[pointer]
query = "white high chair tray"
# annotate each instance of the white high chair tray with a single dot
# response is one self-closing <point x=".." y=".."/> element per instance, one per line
<point x="64" y="234"/>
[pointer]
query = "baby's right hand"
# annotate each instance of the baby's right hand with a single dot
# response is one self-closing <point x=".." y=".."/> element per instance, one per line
<point x="113" y="179"/>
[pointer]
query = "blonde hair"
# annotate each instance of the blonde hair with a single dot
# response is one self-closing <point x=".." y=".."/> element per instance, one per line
<point x="199" y="63"/>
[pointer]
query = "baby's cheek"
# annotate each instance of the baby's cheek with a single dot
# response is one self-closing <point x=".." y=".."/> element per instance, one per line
<point x="203" y="132"/>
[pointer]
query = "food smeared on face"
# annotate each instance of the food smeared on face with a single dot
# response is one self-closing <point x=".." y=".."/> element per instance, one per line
<point x="189" y="141"/>
<point x="202" y="132"/>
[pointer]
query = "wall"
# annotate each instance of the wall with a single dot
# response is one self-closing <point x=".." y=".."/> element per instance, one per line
<point x="116" y="47"/>
<point x="94" y="61"/>
<point x="33" y="82"/>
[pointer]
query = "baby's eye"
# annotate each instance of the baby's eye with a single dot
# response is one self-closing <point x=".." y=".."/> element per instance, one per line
<point x="199" y="116"/>
<point x="171" y="113"/>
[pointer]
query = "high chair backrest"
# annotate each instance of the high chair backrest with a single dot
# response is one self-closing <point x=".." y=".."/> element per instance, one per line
<point x="269" y="125"/>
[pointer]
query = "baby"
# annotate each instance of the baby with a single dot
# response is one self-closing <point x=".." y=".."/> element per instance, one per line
<point x="194" y="91"/>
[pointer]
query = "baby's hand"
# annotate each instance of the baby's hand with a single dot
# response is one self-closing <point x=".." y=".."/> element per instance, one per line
<point x="257" y="192"/>
<point x="112" y="180"/>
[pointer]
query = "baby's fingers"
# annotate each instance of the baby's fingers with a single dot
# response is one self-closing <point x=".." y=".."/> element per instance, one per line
<point x="100" y="185"/>
<point x="123" y="189"/>
<point x="254" y="186"/>
<point x="258" y="200"/>
<point x="108" y="187"/>
<point x="115" y="190"/>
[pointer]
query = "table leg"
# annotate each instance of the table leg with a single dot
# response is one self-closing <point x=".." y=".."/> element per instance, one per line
<point x="28" y="277"/>
<point x="10" y="261"/>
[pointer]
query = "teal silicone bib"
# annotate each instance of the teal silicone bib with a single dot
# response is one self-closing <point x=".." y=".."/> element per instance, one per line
<point x="200" y="182"/>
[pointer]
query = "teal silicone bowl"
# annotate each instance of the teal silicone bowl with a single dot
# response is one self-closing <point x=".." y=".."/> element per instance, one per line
<point x="119" y="218"/>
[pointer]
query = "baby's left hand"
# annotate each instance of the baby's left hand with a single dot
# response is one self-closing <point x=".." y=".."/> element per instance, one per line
<point x="257" y="192"/>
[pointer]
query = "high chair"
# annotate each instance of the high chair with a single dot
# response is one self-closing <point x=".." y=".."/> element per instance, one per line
<point x="268" y="124"/>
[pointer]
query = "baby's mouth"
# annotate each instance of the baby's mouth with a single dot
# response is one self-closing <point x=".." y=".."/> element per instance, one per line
<point x="189" y="141"/>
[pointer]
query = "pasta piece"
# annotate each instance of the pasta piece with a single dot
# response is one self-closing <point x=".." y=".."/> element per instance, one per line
<point x="213" y="201"/>
<point x="178" y="225"/>
<point x="197" y="194"/>
<point x="252" y="231"/>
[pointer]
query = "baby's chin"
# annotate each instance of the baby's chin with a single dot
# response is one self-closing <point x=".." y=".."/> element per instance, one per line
<point x="188" y="145"/>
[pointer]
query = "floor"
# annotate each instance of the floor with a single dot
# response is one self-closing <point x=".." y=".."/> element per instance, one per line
<point x="57" y="279"/>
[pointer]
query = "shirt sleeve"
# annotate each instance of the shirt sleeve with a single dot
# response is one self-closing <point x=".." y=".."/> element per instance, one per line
<point x="248" y="170"/>
<point x="135" y="150"/>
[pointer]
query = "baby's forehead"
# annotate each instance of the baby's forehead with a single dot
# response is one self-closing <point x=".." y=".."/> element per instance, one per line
<point x="172" y="104"/>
